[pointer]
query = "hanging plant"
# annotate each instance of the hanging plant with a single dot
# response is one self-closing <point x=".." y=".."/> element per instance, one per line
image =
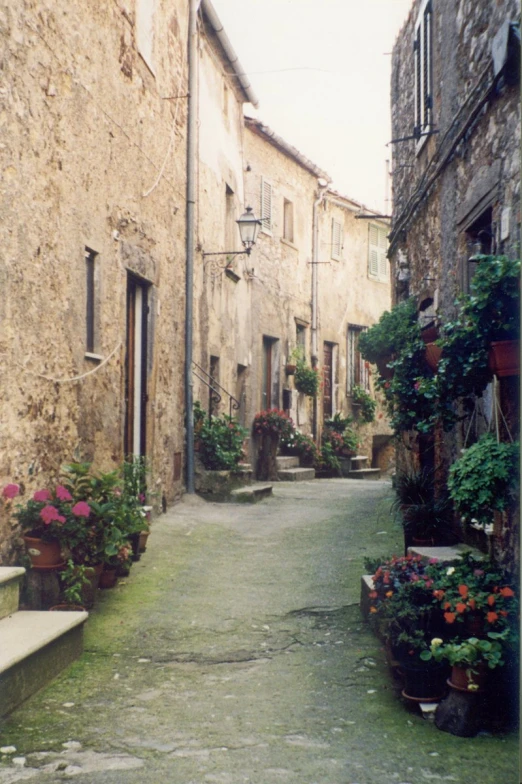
<point x="368" y="405"/>
<point x="306" y="379"/>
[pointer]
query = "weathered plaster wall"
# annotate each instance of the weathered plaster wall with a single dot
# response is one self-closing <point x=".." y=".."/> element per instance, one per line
<point x="85" y="131"/>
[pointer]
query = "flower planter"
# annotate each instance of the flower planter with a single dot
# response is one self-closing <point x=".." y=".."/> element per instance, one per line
<point x="432" y="354"/>
<point x="462" y="679"/>
<point x="504" y="358"/>
<point x="108" y="577"/>
<point x="290" y="369"/>
<point x="423" y="682"/>
<point x="45" y="556"/>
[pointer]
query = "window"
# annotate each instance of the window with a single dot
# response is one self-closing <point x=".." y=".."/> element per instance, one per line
<point x="145" y="12"/>
<point x="266" y="207"/>
<point x="422" y="47"/>
<point x="300" y="338"/>
<point x="377" y="247"/>
<point x="270" y="373"/>
<point x="357" y="369"/>
<point x="479" y="240"/>
<point x="337" y="240"/>
<point x="90" y="310"/>
<point x="288" y="220"/>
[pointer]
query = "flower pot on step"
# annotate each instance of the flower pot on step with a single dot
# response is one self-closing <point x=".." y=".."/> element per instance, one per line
<point x="44" y="555"/>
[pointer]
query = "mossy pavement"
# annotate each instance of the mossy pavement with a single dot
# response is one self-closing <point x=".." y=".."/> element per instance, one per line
<point x="235" y="652"/>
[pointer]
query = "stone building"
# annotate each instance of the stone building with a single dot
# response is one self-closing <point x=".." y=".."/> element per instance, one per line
<point x="93" y="107"/>
<point x="455" y="101"/>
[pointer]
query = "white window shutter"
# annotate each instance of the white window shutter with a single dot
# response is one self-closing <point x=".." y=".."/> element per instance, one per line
<point x="337" y="239"/>
<point x="266" y="206"/>
<point x="374" y="262"/>
<point x="383" y="262"/>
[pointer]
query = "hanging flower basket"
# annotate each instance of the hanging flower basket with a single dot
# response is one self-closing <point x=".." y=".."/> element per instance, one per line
<point x="504" y="358"/>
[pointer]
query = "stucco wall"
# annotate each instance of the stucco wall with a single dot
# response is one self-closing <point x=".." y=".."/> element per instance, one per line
<point x="86" y="128"/>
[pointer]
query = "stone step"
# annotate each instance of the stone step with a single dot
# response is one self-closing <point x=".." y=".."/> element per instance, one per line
<point x="10" y="579"/>
<point x="287" y="461"/>
<point x="245" y="467"/>
<point x="365" y="473"/>
<point x="251" y="494"/>
<point x="358" y="460"/>
<point x="296" y="474"/>
<point x="36" y="646"/>
<point x="445" y="554"/>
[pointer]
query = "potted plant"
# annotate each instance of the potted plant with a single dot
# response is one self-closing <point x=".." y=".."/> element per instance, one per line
<point x="77" y="587"/>
<point x="428" y="523"/>
<point x="484" y="479"/>
<point x="470" y="658"/>
<point x="365" y="402"/>
<point x="270" y="425"/>
<point x="306" y="379"/>
<point x="295" y="356"/>
<point x="326" y="461"/>
<point x="221" y="442"/>
<point x="397" y="328"/>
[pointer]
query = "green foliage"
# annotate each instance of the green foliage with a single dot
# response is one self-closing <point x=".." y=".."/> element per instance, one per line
<point x="306" y="379"/>
<point x="395" y="329"/>
<point x="366" y="402"/>
<point x="484" y="479"/>
<point x="296" y="443"/>
<point x="73" y="578"/>
<point x="221" y="443"/>
<point x="338" y="423"/>
<point x="327" y="460"/>
<point x="430" y="520"/>
<point x="470" y="652"/>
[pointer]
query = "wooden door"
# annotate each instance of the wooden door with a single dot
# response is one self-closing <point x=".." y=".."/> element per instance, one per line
<point x="136" y="368"/>
<point x="328" y="381"/>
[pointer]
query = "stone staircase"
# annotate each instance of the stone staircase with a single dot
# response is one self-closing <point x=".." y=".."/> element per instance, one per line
<point x="288" y="470"/>
<point x="360" y="470"/>
<point x="36" y="645"/>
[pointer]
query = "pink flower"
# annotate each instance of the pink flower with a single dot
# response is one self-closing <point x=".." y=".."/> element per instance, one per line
<point x="63" y="494"/>
<point x="42" y="495"/>
<point x="50" y="513"/>
<point x="81" y="509"/>
<point x="417" y="385"/>
<point x="11" y="491"/>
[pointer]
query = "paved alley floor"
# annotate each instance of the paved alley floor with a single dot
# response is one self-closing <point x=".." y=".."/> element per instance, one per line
<point x="235" y="652"/>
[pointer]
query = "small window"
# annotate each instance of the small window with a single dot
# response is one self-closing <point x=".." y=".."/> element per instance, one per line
<point x="357" y="369"/>
<point x="266" y="207"/>
<point x="337" y="240"/>
<point x="90" y="310"/>
<point x="423" y="50"/>
<point x="377" y="248"/>
<point x="288" y="220"/>
<point x="300" y="339"/>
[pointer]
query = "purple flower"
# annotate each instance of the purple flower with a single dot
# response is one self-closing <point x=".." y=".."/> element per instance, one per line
<point x="42" y="495"/>
<point x="81" y="509"/>
<point x="11" y="491"/>
<point x="63" y="494"/>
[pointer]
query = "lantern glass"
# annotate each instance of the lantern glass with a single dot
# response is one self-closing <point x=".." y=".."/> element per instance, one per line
<point x="248" y="227"/>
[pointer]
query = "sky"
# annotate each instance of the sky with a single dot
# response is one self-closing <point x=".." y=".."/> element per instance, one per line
<point x="321" y="71"/>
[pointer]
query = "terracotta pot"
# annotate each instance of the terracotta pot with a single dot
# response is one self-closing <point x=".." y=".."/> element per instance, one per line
<point x="45" y="556"/>
<point x="429" y="334"/>
<point x="143" y="536"/>
<point x="290" y="369"/>
<point x="504" y="358"/>
<point x="108" y="577"/>
<point x="432" y="355"/>
<point x="464" y="680"/>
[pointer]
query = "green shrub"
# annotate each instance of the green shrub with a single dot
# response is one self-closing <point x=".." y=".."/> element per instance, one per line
<point x="221" y="443"/>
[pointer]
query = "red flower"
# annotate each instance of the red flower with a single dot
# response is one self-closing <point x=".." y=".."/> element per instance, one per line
<point x="50" y="513"/>
<point x="492" y="617"/>
<point x="11" y="491"/>
<point x="507" y="592"/>
<point x="439" y="594"/>
<point x="449" y="617"/>
<point x="63" y="494"/>
<point x="42" y="495"/>
<point x="472" y="604"/>
<point x="446" y="606"/>
<point x="491" y="600"/>
<point x="463" y="590"/>
<point x="460" y="607"/>
<point x="81" y="509"/>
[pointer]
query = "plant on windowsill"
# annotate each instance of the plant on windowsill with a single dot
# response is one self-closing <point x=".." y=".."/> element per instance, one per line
<point x="295" y="356"/>
<point x="306" y="379"/>
<point x="366" y="403"/>
<point x="484" y="479"/>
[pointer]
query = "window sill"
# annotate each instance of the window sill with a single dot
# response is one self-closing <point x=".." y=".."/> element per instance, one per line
<point x="93" y="357"/>
<point x="376" y="279"/>
<point x="290" y="244"/>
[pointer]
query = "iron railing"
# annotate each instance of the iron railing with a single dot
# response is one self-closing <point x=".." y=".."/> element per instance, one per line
<point x="214" y="386"/>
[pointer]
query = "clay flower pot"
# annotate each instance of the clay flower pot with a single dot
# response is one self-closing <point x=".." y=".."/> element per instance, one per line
<point x="45" y="555"/>
<point x="504" y="358"/>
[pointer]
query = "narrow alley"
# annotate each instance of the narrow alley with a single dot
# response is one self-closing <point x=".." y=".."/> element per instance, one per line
<point x="235" y="652"/>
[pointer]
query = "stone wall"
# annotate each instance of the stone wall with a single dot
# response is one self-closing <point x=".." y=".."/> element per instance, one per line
<point x="86" y="129"/>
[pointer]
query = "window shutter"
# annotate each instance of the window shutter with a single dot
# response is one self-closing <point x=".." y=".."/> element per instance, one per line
<point x="377" y="247"/>
<point x="337" y="242"/>
<point x="383" y="246"/>
<point x="266" y="206"/>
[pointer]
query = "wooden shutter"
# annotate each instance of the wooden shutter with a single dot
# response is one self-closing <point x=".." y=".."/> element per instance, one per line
<point x="383" y="247"/>
<point x="373" y="259"/>
<point x="266" y="206"/>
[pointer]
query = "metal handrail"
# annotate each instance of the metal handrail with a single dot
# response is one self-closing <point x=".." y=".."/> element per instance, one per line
<point x="234" y="404"/>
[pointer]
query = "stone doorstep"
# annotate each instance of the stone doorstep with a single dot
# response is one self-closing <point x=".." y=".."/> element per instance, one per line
<point x="296" y="474"/>
<point x="358" y="458"/>
<point x="10" y="578"/>
<point x="445" y="554"/>
<point x="287" y="461"/>
<point x="251" y="494"/>
<point x="365" y="473"/>
<point x="36" y="646"/>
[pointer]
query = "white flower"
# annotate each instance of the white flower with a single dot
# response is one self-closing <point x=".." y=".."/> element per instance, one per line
<point x="450" y="570"/>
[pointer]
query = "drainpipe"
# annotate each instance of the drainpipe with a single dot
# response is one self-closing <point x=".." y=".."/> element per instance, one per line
<point x="192" y="48"/>
<point x="322" y="186"/>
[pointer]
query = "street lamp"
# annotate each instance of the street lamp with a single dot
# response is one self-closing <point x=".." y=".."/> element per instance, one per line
<point x="248" y="226"/>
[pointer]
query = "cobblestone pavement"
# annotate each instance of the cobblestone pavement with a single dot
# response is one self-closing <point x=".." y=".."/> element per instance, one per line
<point x="235" y="652"/>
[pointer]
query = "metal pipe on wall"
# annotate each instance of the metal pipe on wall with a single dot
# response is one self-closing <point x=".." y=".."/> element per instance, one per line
<point x="322" y="186"/>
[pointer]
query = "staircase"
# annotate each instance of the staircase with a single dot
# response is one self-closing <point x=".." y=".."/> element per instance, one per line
<point x="360" y="470"/>
<point x="288" y="470"/>
<point x="36" y="644"/>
